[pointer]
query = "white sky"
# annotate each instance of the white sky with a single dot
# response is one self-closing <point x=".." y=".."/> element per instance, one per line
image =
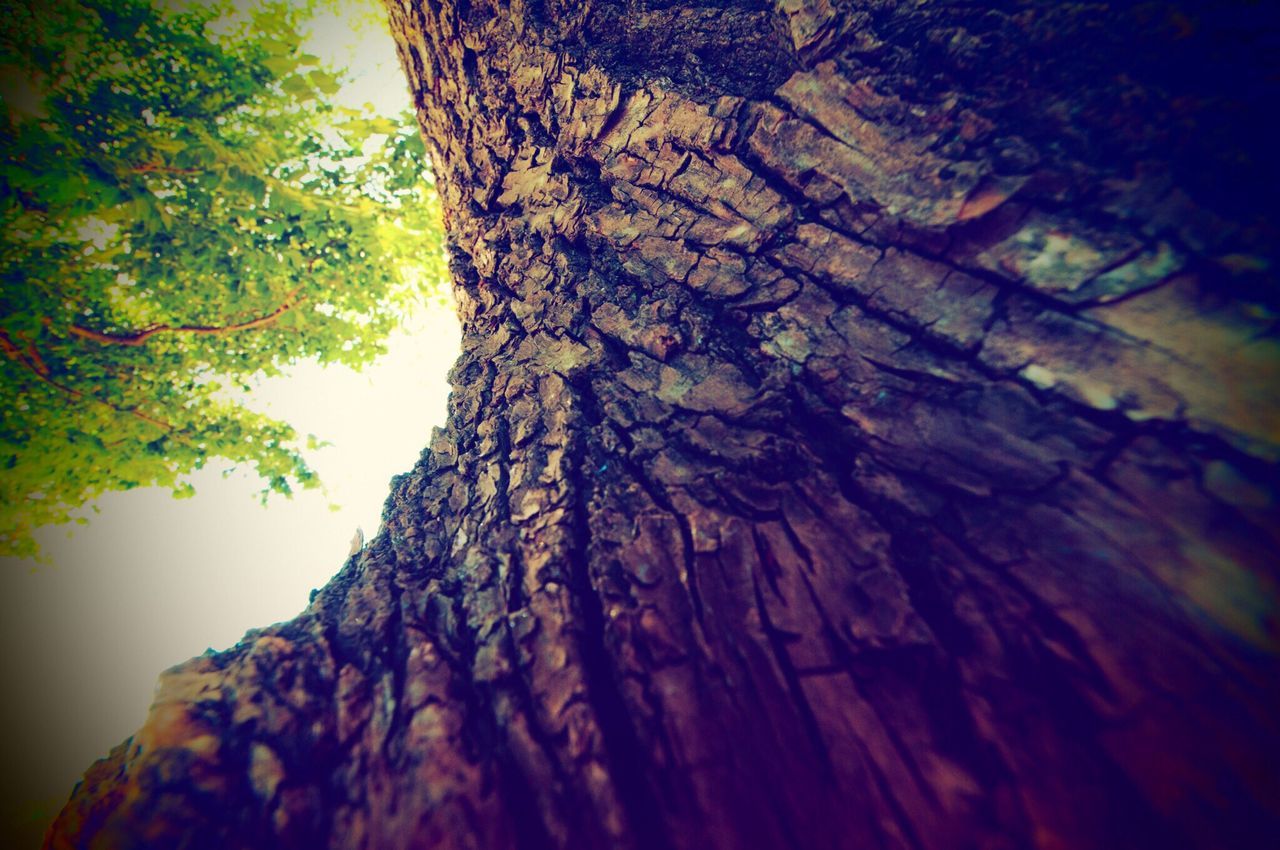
<point x="153" y="581"/>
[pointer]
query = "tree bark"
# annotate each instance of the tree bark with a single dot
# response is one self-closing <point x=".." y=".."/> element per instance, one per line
<point x="866" y="435"/>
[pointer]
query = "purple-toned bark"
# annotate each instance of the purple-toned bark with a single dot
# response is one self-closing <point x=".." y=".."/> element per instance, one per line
<point x="865" y="436"/>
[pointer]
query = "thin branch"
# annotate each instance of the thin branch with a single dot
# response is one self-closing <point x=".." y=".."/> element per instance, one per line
<point x="12" y="350"/>
<point x="34" y="367"/>
<point x="159" y="168"/>
<point x="140" y="337"/>
<point x="33" y="355"/>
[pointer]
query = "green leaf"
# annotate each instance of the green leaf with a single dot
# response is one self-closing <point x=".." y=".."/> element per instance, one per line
<point x="281" y="66"/>
<point x="297" y="86"/>
<point x="325" y="82"/>
<point x="183" y="180"/>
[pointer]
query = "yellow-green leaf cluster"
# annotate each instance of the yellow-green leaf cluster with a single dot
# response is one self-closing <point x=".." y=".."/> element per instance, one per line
<point x="181" y="209"/>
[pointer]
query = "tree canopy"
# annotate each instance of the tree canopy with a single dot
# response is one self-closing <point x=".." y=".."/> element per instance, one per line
<point x="183" y="207"/>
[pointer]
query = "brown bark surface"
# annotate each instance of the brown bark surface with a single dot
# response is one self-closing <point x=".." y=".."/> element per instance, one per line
<point x="865" y="437"/>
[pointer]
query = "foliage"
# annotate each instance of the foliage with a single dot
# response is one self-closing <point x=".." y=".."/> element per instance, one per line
<point x="182" y="209"/>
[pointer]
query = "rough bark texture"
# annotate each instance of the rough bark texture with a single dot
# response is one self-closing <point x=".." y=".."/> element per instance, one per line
<point x="865" y="436"/>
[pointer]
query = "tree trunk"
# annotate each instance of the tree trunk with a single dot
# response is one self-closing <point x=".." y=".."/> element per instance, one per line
<point x="866" y="435"/>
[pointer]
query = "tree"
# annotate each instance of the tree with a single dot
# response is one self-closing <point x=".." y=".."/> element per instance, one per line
<point x="182" y="211"/>
<point x="865" y="436"/>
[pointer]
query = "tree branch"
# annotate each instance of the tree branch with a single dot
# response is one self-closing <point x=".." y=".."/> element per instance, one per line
<point x="38" y="368"/>
<point x="159" y="168"/>
<point x="140" y="337"/>
<point x="37" y="362"/>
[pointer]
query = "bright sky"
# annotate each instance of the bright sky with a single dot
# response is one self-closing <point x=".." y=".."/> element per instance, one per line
<point x="153" y="581"/>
